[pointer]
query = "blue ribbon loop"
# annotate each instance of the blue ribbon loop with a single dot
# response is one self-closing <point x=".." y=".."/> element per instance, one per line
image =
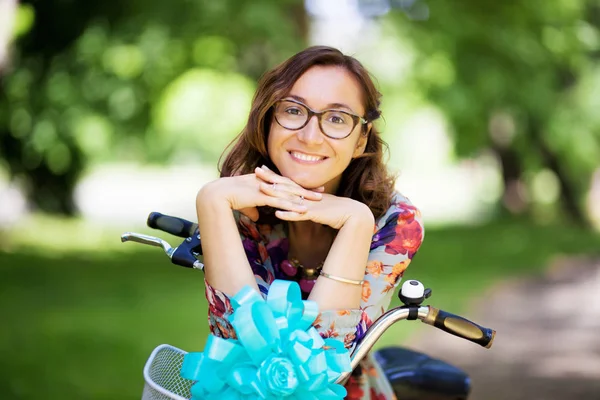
<point x="277" y="354"/>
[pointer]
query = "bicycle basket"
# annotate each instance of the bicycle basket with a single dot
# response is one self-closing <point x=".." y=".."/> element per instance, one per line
<point x="161" y="375"/>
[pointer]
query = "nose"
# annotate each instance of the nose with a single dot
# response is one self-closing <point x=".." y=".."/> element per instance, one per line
<point x="311" y="133"/>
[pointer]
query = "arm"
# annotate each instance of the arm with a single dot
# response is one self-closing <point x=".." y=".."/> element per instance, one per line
<point x="347" y="258"/>
<point x="255" y="249"/>
<point x="225" y="264"/>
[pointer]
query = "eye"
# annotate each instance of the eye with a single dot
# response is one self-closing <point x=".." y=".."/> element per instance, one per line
<point x="338" y="118"/>
<point x="293" y="111"/>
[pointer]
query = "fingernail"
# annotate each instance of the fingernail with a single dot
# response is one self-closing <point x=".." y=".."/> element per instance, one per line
<point x="265" y="167"/>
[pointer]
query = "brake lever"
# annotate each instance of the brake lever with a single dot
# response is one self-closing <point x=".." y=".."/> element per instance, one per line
<point x="149" y="240"/>
<point x="183" y="255"/>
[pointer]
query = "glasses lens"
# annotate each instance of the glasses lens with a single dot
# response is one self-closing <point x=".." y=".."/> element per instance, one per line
<point x="337" y="124"/>
<point x="290" y="115"/>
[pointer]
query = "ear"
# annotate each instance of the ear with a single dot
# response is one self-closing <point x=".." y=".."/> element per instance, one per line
<point x="361" y="144"/>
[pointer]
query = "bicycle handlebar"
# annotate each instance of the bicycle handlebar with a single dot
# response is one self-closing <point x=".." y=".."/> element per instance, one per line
<point x="173" y="225"/>
<point x="461" y="327"/>
<point x="450" y="323"/>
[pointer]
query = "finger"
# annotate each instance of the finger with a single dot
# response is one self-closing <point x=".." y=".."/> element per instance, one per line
<point x="283" y="185"/>
<point x="285" y="204"/>
<point x="293" y="194"/>
<point x="291" y="216"/>
<point x="270" y="176"/>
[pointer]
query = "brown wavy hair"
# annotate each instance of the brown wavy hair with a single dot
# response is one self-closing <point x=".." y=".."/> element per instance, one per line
<point x="366" y="179"/>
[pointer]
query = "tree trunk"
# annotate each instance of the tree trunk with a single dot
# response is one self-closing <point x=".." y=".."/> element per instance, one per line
<point x="502" y="133"/>
<point x="513" y="197"/>
<point x="569" y="201"/>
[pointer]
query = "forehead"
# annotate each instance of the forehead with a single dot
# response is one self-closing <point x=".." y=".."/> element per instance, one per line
<point x="322" y="86"/>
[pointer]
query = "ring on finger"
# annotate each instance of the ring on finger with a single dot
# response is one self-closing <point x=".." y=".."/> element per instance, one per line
<point x="274" y="186"/>
<point x="301" y="200"/>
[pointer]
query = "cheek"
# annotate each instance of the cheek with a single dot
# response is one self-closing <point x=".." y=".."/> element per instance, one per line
<point x="359" y="143"/>
<point x="272" y="138"/>
<point x="347" y="152"/>
<point x="357" y="149"/>
<point x="275" y="141"/>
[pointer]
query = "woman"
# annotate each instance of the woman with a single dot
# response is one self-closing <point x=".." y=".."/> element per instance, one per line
<point x="310" y="151"/>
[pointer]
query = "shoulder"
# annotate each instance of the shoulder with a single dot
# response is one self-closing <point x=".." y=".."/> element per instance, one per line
<point x="400" y="230"/>
<point x="400" y="208"/>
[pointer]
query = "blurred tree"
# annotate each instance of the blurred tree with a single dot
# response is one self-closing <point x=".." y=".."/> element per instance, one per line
<point x="513" y="77"/>
<point x="7" y="11"/>
<point x="102" y="80"/>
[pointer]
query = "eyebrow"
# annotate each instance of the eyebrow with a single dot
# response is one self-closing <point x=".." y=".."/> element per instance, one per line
<point x="330" y="105"/>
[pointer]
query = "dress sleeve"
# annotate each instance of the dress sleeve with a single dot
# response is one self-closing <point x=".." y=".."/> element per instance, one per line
<point x="219" y="310"/>
<point x="398" y="236"/>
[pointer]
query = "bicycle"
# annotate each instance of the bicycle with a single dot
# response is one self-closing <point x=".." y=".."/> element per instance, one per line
<point x="413" y="375"/>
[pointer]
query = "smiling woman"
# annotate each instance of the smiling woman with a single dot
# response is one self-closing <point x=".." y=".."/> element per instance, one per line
<point x="304" y="195"/>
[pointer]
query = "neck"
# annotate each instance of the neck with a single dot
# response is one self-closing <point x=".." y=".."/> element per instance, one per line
<point x="307" y="229"/>
<point x="332" y="186"/>
<point x="310" y="242"/>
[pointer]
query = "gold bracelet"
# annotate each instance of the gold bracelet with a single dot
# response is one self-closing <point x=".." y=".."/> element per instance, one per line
<point x="340" y="279"/>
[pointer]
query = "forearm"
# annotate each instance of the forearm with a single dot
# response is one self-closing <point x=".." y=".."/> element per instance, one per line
<point x="226" y="266"/>
<point x="348" y="259"/>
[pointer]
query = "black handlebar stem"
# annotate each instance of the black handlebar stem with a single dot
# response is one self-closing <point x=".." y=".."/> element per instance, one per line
<point x="185" y="254"/>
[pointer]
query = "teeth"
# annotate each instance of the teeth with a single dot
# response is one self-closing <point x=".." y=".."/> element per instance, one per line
<point x="306" y="157"/>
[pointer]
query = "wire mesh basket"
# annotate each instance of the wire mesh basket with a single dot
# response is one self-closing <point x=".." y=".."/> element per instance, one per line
<point x="161" y="374"/>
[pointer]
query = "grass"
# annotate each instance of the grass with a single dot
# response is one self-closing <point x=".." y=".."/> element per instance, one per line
<point x="80" y="324"/>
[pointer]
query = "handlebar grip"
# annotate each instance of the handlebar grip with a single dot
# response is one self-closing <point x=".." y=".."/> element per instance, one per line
<point x="173" y="225"/>
<point x="461" y="327"/>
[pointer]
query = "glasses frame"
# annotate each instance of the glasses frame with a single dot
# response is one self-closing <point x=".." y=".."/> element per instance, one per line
<point x="356" y="119"/>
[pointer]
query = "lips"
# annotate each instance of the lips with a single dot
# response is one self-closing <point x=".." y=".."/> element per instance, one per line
<point x="306" y="158"/>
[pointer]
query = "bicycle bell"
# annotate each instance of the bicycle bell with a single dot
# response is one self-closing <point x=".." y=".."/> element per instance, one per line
<point x="413" y="293"/>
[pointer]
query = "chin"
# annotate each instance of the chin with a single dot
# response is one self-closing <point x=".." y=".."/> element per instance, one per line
<point x="309" y="183"/>
<point x="306" y="181"/>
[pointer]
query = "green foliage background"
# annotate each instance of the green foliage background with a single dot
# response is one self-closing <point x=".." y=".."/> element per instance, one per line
<point x="158" y="82"/>
<point x="165" y="83"/>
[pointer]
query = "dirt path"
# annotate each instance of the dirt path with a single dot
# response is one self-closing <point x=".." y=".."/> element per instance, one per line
<point x="547" y="344"/>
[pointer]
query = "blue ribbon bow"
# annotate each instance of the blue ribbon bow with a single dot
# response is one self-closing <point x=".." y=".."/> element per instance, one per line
<point x="278" y="354"/>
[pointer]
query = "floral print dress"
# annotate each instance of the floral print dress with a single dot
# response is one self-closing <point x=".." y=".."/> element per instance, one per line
<point x="396" y="239"/>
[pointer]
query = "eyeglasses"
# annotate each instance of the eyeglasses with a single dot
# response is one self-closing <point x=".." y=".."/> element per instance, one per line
<point x="336" y="124"/>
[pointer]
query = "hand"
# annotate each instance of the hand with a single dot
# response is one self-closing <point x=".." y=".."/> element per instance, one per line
<point x="247" y="192"/>
<point x="330" y="210"/>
